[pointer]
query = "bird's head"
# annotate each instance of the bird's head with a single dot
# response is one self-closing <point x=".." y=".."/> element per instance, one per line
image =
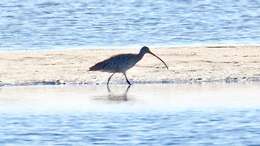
<point x="145" y="49"/>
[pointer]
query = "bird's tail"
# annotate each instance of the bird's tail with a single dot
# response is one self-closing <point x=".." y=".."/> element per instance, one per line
<point x="92" y="68"/>
<point x="96" y="67"/>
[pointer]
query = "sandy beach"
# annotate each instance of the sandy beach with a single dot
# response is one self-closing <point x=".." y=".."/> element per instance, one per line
<point x="219" y="63"/>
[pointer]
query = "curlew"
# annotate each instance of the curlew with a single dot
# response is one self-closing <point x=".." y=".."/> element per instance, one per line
<point x="122" y="62"/>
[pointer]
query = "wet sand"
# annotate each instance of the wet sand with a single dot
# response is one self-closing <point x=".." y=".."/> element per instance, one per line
<point x="237" y="63"/>
<point x="138" y="98"/>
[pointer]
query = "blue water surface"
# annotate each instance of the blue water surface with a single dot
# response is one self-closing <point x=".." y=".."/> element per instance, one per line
<point x="189" y="128"/>
<point x="52" y="24"/>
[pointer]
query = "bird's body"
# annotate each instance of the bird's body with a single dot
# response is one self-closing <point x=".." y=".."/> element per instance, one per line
<point x="112" y="64"/>
<point x="121" y="63"/>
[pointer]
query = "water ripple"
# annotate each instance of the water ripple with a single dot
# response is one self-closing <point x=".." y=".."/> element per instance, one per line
<point x="136" y="128"/>
<point x="61" y="24"/>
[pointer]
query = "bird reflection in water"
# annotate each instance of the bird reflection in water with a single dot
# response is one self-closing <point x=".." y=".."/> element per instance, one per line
<point x="118" y="97"/>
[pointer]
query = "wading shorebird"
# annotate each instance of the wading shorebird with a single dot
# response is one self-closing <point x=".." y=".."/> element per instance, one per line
<point x="122" y="62"/>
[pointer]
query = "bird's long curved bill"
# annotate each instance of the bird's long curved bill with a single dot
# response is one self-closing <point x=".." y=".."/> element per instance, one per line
<point x="159" y="59"/>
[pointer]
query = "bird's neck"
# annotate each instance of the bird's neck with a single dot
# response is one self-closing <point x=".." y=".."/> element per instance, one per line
<point x="140" y="55"/>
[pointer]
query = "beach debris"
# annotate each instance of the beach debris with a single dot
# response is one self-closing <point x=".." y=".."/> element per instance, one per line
<point x="122" y="62"/>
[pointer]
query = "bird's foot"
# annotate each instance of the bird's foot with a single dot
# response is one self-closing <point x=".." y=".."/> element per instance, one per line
<point x="129" y="83"/>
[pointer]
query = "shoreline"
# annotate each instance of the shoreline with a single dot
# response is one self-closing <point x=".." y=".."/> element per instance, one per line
<point x="187" y="65"/>
<point x="118" y="47"/>
<point x="122" y="99"/>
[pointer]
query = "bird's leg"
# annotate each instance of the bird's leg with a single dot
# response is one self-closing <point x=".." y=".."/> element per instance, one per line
<point x="126" y="79"/>
<point x="109" y="79"/>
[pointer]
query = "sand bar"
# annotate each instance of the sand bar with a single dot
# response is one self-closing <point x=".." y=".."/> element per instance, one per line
<point x="234" y="63"/>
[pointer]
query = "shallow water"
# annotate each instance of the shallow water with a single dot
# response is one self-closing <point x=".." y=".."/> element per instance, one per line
<point x="52" y="24"/>
<point x="142" y="115"/>
<point x="178" y="128"/>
